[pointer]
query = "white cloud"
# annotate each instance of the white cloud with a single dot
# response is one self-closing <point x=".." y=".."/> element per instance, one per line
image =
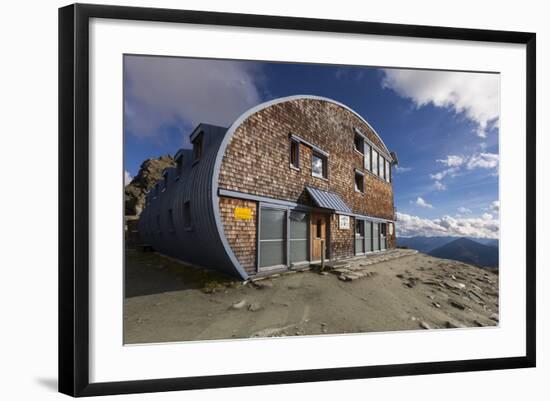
<point x="399" y="170"/>
<point x="487" y="216"/>
<point x="464" y="210"/>
<point x="457" y="163"/>
<point x="452" y="161"/>
<point x="127" y="178"/>
<point x="439" y="186"/>
<point x="408" y="226"/>
<point x="474" y="94"/>
<point x="483" y="160"/>
<point x="442" y="174"/>
<point x="164" y="90"/>
<point x="422" y="203"/>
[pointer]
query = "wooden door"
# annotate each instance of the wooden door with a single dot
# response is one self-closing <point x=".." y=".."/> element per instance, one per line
<point x="318" y="235"/>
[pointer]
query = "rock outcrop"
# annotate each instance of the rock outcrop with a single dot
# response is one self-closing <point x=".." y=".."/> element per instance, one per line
<point x="149" y="172"/>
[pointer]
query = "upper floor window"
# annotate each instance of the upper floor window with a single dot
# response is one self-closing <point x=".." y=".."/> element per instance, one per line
<point x="359" y="181"/>
<point x="381" y="167"/>
<point x="171" y="221"/>
<point x="318" y="165"/>
<point x="187" y="222"/>
<point x="197" y="147"/>
<point x="295" y="154"/>
<point x="358" y="143"/>
<point x="179" y="167"/>
<point x="367" y="157"/>
<point x="375" y="162"/>
<point x="165" y="181"/>
<point x="388" y="169"/>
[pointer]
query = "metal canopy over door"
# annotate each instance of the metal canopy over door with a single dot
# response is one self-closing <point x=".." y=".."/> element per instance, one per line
<point x="318" y="235"/>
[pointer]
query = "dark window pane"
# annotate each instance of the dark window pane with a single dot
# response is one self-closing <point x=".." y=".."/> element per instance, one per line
<point x="295" y="154"/>
<point x="368" y="236"/>
<point x="375" y="237"/>
<point x="187" y="215"/>
<point x="359" y="186"/>
<point x="359" y="227"/>
<point x="358" y="143"/>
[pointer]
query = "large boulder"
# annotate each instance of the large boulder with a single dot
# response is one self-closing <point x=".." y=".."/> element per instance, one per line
<point x="149" y="172"/>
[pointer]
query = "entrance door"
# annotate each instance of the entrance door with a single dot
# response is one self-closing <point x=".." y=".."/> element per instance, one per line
<point x="318" y="235"/>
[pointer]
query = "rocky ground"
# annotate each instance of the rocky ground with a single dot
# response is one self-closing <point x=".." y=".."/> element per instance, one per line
<point x="168" y="301"/>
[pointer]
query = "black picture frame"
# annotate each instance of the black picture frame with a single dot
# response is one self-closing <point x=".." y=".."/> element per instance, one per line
<point x="74" y="198"/>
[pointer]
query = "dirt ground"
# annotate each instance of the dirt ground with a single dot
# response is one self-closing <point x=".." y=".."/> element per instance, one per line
<point x="169" y="301"/>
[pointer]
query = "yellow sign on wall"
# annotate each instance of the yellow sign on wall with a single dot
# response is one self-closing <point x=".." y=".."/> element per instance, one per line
<point x="243" y="213"/>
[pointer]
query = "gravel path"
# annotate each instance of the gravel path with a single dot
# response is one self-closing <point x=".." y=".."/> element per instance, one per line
<point x="168" y="301"/>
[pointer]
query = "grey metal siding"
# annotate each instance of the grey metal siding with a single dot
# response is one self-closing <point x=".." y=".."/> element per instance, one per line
<point x="201" y="244"/>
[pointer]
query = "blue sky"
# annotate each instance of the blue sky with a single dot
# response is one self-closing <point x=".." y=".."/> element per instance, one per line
<point x="443" y="125"/>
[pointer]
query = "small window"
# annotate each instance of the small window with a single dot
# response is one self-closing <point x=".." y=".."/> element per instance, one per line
<point x="165" y="182"/>
<point x="367" y="157"/>
<point x="358" y="143"/>
<point x="187" y="223"/>
<point x="319" y="165"/>
<point x="388" y="171"/>
<point x="171" y="221"/>
<point x="295" y="154"/>
<point x="374" y="162"/>
<point x="381" y="167"/>
<point x="319" y="229"/>
<point x="359" y="182"/>
<point x="179" y="167"/>
<point x="197" y="148"/>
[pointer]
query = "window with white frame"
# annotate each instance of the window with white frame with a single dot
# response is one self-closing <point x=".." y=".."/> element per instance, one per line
<point x="375" y="162"/>
<point x="388" y="171"/>
<point x="367" y="158"/>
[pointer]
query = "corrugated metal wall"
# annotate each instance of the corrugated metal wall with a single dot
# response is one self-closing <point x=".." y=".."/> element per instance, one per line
<point x="200" y="245"/>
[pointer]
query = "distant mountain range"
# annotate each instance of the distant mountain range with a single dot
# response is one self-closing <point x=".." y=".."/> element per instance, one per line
<point x="477" y="251"/>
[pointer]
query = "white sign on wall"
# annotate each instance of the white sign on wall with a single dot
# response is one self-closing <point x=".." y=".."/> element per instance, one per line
<point x="343" y="222"/>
